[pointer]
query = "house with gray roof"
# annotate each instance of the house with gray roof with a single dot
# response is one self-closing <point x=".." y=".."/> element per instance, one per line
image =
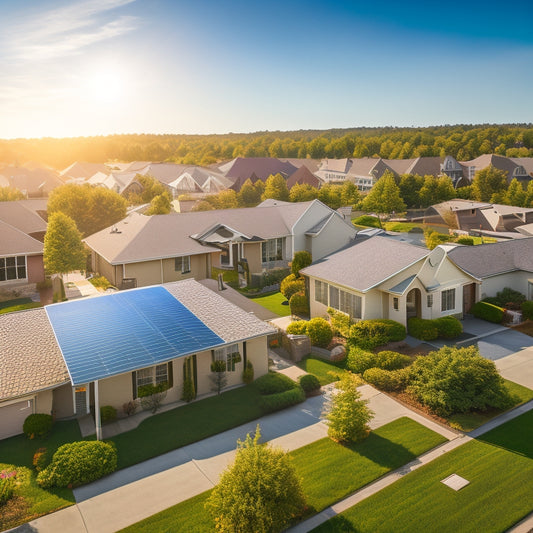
<point x="145" y="250"/>
<point x="380" y="277"/>
<point x="70" y="358"/>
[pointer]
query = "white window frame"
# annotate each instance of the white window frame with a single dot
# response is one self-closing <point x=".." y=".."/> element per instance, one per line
<point x="182" y="264"/>
<point x="273" y="250"/>
<point x="20" y="262"/>
<point x="152" y="375"/>
<point x="447" y="305"/>
<point x="226" y="354"/>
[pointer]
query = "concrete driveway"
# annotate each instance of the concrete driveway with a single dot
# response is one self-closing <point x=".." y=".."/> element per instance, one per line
<point x="518" y="367"/>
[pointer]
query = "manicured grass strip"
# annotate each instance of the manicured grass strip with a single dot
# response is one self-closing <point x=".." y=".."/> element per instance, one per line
<point x="273" y="302"/>
<point x="470" y="421"/>
<point x="499" y="494"/>
<point x="189" y="516"/>
<point x="15" y="301"/>
<point x="329" y="472"/>
<point x="170" y="430"/>
<point x="21" y="307"/>
<point x="321" y="369"/>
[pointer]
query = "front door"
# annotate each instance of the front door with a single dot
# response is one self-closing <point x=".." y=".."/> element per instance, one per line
<point x="469" y="297"/>
<point x="412" y="304"/>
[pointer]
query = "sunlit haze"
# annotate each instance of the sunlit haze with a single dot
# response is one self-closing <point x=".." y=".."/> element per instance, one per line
<point x="97" y="67"/>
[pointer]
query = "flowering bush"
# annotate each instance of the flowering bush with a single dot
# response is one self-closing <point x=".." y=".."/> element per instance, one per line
<point x="7" y="485"/>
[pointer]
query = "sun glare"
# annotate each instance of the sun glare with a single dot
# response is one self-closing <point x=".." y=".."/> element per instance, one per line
<point x="103" y="85"/>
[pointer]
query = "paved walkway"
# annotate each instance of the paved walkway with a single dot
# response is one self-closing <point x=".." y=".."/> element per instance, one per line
<point x="77" y="286"/>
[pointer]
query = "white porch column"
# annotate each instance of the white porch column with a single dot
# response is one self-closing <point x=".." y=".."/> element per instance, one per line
<point x="97" y="412"/>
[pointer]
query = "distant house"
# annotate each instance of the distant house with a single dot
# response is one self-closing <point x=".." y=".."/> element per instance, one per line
<point x="146" y="250"/>
<point x="82" y="171"/>
<point x="32" y="181"/>
<point x="303" y="176"/>
<point x="380" y="277"/>
<point x="164" y="334"/>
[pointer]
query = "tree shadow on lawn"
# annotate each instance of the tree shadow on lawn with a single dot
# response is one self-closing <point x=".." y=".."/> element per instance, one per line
<point x="338" y="524"/>
<point x="515" y="436"/>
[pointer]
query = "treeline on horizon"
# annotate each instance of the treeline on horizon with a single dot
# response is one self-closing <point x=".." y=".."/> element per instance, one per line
<point x="464" y="142"/>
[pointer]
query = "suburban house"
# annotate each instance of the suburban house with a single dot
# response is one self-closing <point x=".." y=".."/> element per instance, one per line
<point x="22" y="232"/>
<point x="379" y="277"/>
<point x="33" y="181"/>
<point x="468" y="215"/>
<point x="68" y="359"/>
<point x="145" y="250"/>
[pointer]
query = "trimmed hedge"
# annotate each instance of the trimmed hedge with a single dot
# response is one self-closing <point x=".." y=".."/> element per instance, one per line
<point x="420" y="328"/>
<point x="367" y="220"/>
<point x="368" y="334"/>
<point x="309" y="383"/>
<point x="299" y="304"/>
<point x="487" y="311"/>
<point x="291" y="285"/>
<point x="449" y="327"/>
<point x="275" y="402"/>
<point x="298" y="327"/>
<point x="389" y="360"/>
<point x="37" y="425"/>
<point x="340" y="322"/>
<point x="527" y="310"/>
<point x="464" y="240"/>
<point x="319" y="332"/>
<point x="273" y="383"/>
<point x="360" y="360"/>
<point x="387" y="380"/>
<point x="79" y="462"/>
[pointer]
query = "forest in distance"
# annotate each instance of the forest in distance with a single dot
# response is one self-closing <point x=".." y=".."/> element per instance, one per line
<point x="464" y="142"/>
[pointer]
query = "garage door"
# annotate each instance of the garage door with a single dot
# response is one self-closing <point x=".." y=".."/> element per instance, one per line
<point x="12" y="417"/>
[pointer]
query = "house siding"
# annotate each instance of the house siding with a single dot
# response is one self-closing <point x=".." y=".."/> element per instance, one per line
<point x="35" y="268"/>
<point x="334" y="235"/>
<point x="515" y="280"/>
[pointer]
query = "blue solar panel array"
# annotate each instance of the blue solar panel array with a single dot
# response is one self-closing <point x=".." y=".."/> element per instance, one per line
<point x="116" y="333"/>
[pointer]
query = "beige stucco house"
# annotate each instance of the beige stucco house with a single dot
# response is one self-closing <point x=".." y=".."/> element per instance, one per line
<point x="69" y="358"/>
<point x="144" y="250"/>
<point x="379" y="277"/>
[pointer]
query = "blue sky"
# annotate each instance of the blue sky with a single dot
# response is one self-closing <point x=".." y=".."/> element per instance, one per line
<point x="96" y="67"/>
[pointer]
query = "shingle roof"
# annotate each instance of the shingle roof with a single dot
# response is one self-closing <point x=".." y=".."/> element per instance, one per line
<point x="243" y="168"/>
<point x="366" y="263"/>
<point x="22" y="215"/>
<point x="16" y="242"/>
<point x="487" y="260"/>
<point x="303" y="175"/>
<point x="30" y="359"/>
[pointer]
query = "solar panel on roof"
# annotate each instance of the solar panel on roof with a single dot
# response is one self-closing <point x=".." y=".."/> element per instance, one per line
<point x="125" y="331"/>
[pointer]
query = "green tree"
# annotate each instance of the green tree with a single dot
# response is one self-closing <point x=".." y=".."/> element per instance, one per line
<point x="528" y="201"/>
<point x="457" y="380"/>
<point x="436" y="190"/>
<point x="260" y="492"/>
<point x="384" y="196"/>
<point x="150" y="189"/>
<point x="249" y="195"/>
<point x="349" y="193"/>
<point x="515" y="194"/>
<point x="348" y="416"/>
<point x="300" y="260"/>
<point x="160" y="205"/>
<point x="203" y="205"/>
<point x="91" y="208"/>
<point x="227" y="199"/>
<point x="303" y="192"/>
<point x="487" y="182"/>
<point x="9" y="194"/>
<point x="410" y="185"/>
<point x="63" y="249"/>
<point x="331" y="195"/>
<point x="276" y="188"/>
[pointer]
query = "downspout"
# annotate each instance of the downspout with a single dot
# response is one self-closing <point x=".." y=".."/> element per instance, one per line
<point x="97" y="412"/>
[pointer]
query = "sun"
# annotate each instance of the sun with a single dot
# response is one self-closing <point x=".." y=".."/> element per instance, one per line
<point x="103" y="85"/>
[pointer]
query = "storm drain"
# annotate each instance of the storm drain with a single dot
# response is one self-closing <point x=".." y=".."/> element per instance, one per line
<point x="455" y="482"/>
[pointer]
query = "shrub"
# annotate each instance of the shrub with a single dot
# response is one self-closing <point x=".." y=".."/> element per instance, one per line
<point x="465" y="241"/>
<point x="359" y="360"/>
<point x="448" y="327"/>
<point x="368" y="334"/>
<point x="509" y="296"/>
<point x="457" y="380"/>
<point x="188" y="394"/>
<point x="527" y="309"/>
<point x="340" y="322"/>
<point x="291" y="285"/>
<point x="152" y="396"/>
<point x="41" y="458"/>
<point x="7" y="488"/>
<point x="389" y="360"/>
<point x="274" y="382"/>
<point x="487" y="311"/>
<point x="299" y="304"/>
<point x="348" y="415"/>
<point x="107" y="413"/>
<point x="309" y="383"/>
<point x="77" y="463"/>
<point x="394" y="330"/>
<point x="420" y="328"/>
<point x="298" y="327"/>
<point x="37" y="425"/>
<point x="367" y="220"/>
<point x="248" y="373"/>
<point x="300" y="260"/>
<point x="319" y="332"/>
<point x="129" y="408"/>
<point x="387" y="380"/>
<point x="281" y="400"/>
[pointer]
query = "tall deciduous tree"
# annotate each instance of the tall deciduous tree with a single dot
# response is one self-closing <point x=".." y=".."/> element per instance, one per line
<point x="303" y="192"/>
<point x="260" y="492"/>
<point x="331" y="195"/>
<point x="9" y="194"/>
<point x="91" y="208"/>
<point x="349" y="193"/>
<point x="515" y="195"/>
<point x="160" y="205"/>
<point x="63" y="249"/>
<point x="384" y="196"/>
<point x="487" y="182"/>
<point x="276" y="188"/>
<point x="410" y="185"/>
<point x="436" y="190"/>
<point x="249" y="195"/>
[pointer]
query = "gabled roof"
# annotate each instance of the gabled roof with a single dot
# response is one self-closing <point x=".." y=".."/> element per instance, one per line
<point x="82" y="169"/>
<point x="366" y="263"/>
<point x="23" y="215"/>
<point x="486" y="260"/>
<point x="336" y="165"/>
<point x="303" y="175"/>
<point x="32" y="180"/>
<point x="16" y="242"/>
<point x="243" y="168"/>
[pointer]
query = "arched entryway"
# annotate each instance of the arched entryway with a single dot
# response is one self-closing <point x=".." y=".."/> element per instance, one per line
<point x="413" y="304"/>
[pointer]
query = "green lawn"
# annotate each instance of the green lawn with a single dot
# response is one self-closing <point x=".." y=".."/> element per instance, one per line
<point x="470" y="421"/>
<point x="402" y="227"/>
<point x="499" y="467"/>
<point x="18" y="304"/>
<point x="325" y="371"/>
<point x="273" y="302"/>
<point x="329" y="472"/>
<point x="30" y="500"/>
